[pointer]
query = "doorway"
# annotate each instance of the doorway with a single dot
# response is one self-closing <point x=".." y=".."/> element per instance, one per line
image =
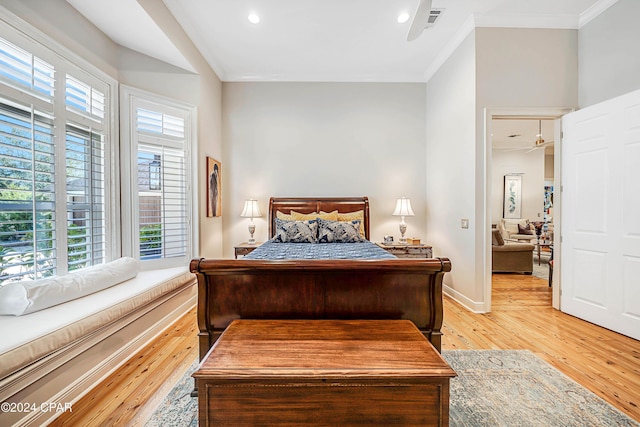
<point x="543" y="121"/>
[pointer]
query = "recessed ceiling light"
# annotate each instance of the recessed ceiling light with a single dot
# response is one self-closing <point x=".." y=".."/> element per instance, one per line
<point x="403" y="17"/>
<point x="253" y="18"/>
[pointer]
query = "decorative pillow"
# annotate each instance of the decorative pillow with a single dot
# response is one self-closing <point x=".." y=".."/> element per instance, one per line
<point x="496" y="238"/>
<point x="524" y="229"/>
<point x="510" y="226"/>
<point x="27" y="296"/>
<point x="297" y="216"/>
<point x="282" y="215"/>
<point x="331" y="216"/>
<point x="296" y="231"/>
<point x="353" y="216"/>
<point x="339" y="231"/>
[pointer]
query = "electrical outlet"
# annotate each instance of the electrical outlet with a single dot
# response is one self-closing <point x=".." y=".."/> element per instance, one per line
<point x="464" y="223"/>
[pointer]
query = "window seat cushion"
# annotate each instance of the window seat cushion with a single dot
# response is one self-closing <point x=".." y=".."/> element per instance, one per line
<point x="30" y="337"/>
<point x="29" y="296"/>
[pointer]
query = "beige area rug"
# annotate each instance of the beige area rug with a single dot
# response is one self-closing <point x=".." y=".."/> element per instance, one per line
<point x="493" y="388"/>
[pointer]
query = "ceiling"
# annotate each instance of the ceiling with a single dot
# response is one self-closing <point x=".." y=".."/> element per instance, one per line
<point x="322" y="40"/>
<point x="521" y="134"/>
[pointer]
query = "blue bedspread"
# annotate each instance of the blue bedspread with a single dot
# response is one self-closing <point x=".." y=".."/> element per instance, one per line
<point x="360" y="250"/>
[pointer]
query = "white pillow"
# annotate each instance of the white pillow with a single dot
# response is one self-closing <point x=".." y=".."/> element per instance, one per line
<point x="27" y="296"/>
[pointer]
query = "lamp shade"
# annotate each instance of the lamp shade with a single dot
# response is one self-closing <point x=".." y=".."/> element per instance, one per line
<point x="403" y="208"/>
<point x="251" y="209"/>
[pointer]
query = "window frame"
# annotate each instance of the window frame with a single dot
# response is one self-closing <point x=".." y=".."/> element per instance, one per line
<point x="130" y="99"/>
<point x="20" y="33"/>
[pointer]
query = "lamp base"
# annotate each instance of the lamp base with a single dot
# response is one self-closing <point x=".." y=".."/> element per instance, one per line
<point x="252" y="229"/>
<point x="403" y="229"/>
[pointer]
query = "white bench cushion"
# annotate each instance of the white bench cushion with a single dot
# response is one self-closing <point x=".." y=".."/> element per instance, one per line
<point x="29" y="296"/>
<point x="28" y="338"/>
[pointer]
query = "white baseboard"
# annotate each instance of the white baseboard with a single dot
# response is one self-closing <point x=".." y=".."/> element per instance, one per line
<point x="473" y="306"/>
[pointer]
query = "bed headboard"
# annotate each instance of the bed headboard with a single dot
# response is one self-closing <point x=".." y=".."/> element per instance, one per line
<point x="325" y="204"/>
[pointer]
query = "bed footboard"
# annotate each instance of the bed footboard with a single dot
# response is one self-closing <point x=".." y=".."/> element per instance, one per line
<point x="319" y="289"/>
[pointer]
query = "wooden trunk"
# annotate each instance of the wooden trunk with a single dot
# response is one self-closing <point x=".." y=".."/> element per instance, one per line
<point x="323" y="372"/>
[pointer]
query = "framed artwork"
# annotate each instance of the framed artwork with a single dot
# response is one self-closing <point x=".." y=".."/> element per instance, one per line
<point x="512" y="196"/>
<point x="214" y="185"/>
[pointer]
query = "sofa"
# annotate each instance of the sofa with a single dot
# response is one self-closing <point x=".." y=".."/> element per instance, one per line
<point x="510" y="257"/>
<point x="516" y="229"/>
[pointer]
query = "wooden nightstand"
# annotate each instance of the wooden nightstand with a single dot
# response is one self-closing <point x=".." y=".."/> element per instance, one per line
<point x="408" y="251"/>
<point x="245" y="248"/>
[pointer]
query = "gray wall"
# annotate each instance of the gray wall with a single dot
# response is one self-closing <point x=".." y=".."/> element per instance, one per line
<point x="450" y="165"/>
<point x="323" y="139"/>
<point x="609" y="59"/>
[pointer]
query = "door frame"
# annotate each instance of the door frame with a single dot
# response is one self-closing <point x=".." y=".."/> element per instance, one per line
<point x="531" y="113"/>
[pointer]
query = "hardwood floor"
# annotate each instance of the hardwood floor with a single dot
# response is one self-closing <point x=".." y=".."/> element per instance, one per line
<point x="605" y="362"/>
<point x="131" y="393"/>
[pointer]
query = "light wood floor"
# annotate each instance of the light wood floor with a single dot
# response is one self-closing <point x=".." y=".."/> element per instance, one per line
<point x="606" y="363"/>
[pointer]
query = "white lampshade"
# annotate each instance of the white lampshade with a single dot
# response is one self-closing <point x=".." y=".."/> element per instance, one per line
<point x="403" y="208"/>
<point x="251" y="209"/>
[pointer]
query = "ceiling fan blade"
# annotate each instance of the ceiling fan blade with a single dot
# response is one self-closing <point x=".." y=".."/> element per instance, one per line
<point x="420" y="20"/>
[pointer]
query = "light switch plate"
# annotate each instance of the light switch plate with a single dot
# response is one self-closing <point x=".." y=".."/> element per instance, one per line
<point x="464" y="223"/>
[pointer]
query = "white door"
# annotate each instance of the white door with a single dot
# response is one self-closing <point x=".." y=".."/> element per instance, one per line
<point x="600" y="275"/>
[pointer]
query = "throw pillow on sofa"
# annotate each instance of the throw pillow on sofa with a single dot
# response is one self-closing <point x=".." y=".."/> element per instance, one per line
<point x="496" y="238"/>
<point x="524" y="229"/>
<point x="509" y="226"/>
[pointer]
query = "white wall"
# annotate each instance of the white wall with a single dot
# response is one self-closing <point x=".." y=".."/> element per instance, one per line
<point x="608" y="49"/>
<point x="531" y="166"/>
<point x="493" y="68"/>
<point x="450" y="165"/>
<point x="323" y="139"/>
<point x="549" y="165"/>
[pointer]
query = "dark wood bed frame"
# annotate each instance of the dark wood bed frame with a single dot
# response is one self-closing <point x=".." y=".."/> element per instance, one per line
<point x="230" y="289"/>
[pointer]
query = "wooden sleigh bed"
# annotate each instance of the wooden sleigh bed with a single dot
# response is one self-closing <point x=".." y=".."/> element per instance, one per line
<point x="230" y="289"/>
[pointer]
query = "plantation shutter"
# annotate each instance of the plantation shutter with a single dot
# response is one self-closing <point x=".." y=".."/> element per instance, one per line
<point x="86" y="200"/>
<point x="27" y="193"/>
<point x="85" y="174"/>
<point x="163" y="191"/>
<point x="53" y="151"/>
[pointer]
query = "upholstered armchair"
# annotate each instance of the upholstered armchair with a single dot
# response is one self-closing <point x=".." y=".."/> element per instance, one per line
<point x="510" y="257"/>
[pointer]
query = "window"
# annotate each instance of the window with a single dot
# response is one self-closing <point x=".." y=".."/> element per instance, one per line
<point x="54" y="159"/>
<point x="161" y="200"/>
<point x="27" y="192"/>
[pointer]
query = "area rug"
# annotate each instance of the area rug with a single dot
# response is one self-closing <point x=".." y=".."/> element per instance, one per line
<point x="493" y="388"/>
<point x="542" y="270"/>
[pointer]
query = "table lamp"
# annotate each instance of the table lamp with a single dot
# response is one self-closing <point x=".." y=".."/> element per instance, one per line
<point x="251" y="210"/>
<point x="403" y="208"/>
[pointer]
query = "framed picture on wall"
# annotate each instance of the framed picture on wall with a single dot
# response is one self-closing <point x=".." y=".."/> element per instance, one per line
<point x="214" y="185"/>
<point x="512" y="196"/>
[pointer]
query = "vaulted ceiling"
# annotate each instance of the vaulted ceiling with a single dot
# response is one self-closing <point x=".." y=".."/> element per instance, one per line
<point x="323" y="40"/>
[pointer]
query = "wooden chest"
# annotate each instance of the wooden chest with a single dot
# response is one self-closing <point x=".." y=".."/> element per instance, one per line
<point x="323" y="372"/>
<point x="408" y="251"/>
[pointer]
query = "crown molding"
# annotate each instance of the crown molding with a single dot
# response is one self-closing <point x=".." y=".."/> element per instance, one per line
<point x="444" y="54"/>
<point x="515" y="21"/>
<point x="525" y="21"/>
<point x="594" y="11"/>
